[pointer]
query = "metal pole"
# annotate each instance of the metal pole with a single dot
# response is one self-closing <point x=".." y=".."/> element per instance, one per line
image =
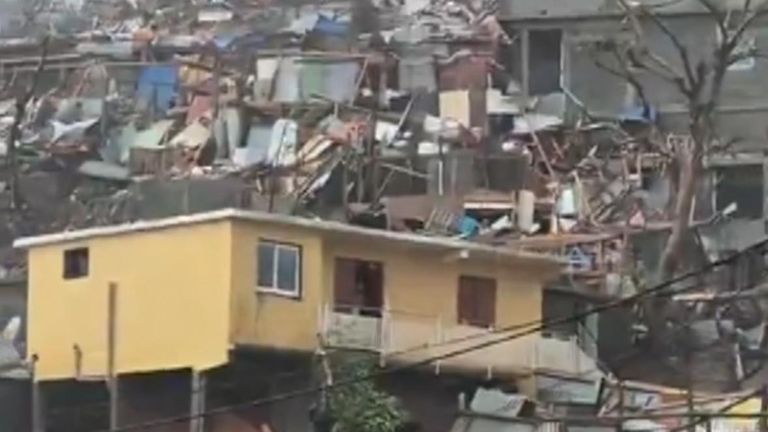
<point x="114" y="389"/>
<point x="689" y="384"/>
<point x="38" y="402"/>
<point x="620" y="385"/>
<point x="197" y="405"/>
<point x="764" y="408"/>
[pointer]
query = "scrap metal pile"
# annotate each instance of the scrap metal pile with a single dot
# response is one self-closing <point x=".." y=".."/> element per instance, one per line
<point x="390" y="114"/>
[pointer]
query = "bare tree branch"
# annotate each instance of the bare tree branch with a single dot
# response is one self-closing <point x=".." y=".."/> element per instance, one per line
<point x="22" y="100"/>
<point x="748" y="20"/>
<point x="715" y="13"/>
<point x="668" y="72"/>
<point x="681" y="49"/>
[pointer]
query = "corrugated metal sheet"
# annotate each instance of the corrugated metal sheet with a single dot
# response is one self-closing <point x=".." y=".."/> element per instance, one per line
<point x="104" y="170"/>
<point x="564" y="390"/>
<point x="457" y="174"/>
<point x="497" y="403"/>
<point x="194" y="135"/>
<point x="417" y="73"/>
<point x="75" y="109"/>
<point x="642" y="425"/>
<point x="234" y="128"/>
<point x="123" y="50"/>
<point x="587" y="429"/>
<point x="334" y="80"/>
<point x="257" y="146"/>
<point x="469" y="424"/>
<point x="332" y="27"/>
<point x="151" y="137"/>
<point x="120" y="145"/>
<point x="287" y="83"/>
<point x="283" y="142"/>
<point x="300" y="79"/>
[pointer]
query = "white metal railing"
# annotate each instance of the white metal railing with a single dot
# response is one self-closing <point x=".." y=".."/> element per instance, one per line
<point x="406" y="336"/>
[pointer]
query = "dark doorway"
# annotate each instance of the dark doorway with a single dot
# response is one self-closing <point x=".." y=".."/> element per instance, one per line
<point x="359" y="287"/>
<point x="741" y="185"/>
<point x="544" y="61"/>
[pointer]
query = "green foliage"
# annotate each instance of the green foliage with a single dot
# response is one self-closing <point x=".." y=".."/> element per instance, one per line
<point x="361" y="407"/>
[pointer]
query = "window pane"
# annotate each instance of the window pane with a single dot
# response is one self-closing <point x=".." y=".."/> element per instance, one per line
<point x="266" y="265"/>
<point x="287" y="263"/>
<point x="76" y="263"/>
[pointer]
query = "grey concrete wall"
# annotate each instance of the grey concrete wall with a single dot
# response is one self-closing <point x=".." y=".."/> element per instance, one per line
<point x="744" y="101"/>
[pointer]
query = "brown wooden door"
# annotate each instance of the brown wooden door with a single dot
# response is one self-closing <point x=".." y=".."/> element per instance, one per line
<point x="477" y="301"/>
<point x="358" y="286"/>
<point x="345" y="294"/>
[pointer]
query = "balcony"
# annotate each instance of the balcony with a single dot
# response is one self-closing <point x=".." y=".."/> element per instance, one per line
<point x="405" y="337"/>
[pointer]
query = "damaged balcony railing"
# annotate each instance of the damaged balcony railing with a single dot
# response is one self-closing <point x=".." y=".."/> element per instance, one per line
<point x="399" y="336"/>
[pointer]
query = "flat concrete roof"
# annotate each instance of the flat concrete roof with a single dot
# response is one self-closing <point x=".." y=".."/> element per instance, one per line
<point x="332" y="227"/>
<point x="520" y="10"/>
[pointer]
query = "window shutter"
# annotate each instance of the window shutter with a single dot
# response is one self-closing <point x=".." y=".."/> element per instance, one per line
<point x="486" y="312"/>
<point x="477" y="301"/>
<point x="467" y="303"/>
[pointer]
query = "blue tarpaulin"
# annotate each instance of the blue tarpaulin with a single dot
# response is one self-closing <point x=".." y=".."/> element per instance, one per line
<point x="639" y="113"/>
<point x="469" y="227"/>
<point x="331" y="26"/>
<point x="158" y="85"/>
<point x="246" y="41"/>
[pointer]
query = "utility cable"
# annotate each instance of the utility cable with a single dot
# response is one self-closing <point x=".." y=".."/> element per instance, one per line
<point x="525" y="330"/>
<point x="622" y="302"/>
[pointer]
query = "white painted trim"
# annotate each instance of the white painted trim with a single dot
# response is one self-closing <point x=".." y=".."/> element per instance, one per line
<point x="278" y="293"/>
<point x="286" y="220"/>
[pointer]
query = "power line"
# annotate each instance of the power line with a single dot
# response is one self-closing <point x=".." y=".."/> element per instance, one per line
<point x="456" y="353"/>
<point x="626" y="301"/>
<point x="625" y="357"/>
<point x="730" y="406"/>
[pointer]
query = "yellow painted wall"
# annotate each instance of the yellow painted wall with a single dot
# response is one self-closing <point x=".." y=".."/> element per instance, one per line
<point x="416" y="280"/>
<point x="269" y="320"/>
<point x="173" y="302"/>
<point x="425" y="281"/>
<point x="188" y="293"/>
<point x="421" y="293"/>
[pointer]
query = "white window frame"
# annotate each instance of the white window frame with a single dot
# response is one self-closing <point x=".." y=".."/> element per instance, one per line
<point x="274" y="290"/>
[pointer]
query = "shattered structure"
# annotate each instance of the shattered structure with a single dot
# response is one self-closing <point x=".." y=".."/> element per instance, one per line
<point x="480" y="121"/>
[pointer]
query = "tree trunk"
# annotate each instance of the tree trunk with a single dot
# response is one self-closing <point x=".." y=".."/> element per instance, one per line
<point x="691" y="167"/>
<point x="690" y="164"/>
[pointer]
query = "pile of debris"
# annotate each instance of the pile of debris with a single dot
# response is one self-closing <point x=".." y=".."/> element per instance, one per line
<point x="393" y="115"/>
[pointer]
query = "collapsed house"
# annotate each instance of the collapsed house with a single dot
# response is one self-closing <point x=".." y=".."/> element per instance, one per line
<point x="482" y="122"/>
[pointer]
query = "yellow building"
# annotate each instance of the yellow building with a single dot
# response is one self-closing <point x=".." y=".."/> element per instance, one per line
<point x="191" y="288"/>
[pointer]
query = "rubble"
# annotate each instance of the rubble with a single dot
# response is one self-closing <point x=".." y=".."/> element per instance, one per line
<point x="408" y="124"/>
<point x="316" y="109"/>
